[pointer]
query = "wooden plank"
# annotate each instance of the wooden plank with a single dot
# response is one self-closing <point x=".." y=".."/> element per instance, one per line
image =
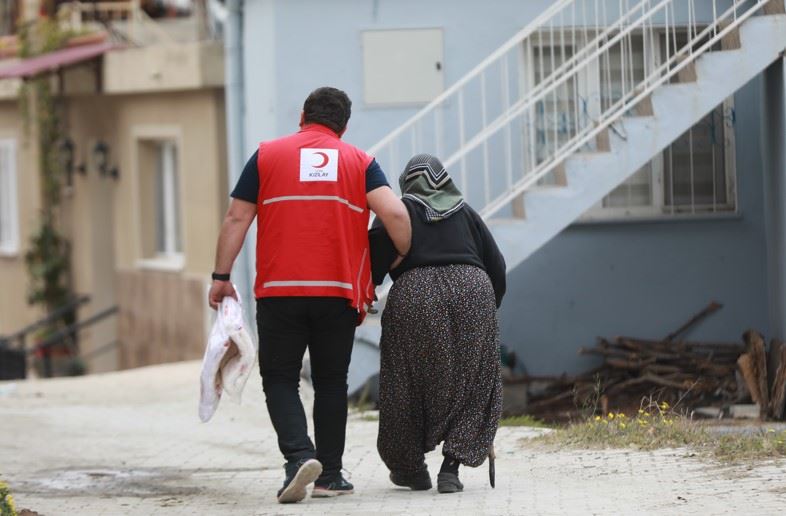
<point x="756" y="350"/>
<point x="745" y="363"/>
<point x="778" y="402"/>
<point x="773" y="361"/>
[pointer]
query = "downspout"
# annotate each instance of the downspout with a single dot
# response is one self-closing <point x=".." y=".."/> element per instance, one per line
<point x="235" y="94"/>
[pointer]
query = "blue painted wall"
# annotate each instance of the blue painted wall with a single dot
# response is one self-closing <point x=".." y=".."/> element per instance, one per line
<point x="317" y="46"/>
<point x="641" y="279"/>
<point x="646" y="279"/>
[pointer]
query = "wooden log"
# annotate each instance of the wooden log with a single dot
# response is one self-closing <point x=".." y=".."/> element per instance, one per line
<point x="755" y="348"/>
<point x="730" y="347"/>
<point x="707" y="311"/>
<point x="633" y="365"/>
<point x="546" y="402"/>
<point x="745" y="363"/>
<point x="602" y="351"/>
<point x="778" y="403"/>
<point x="662" y="369"/>
<point x="773" y="361"/>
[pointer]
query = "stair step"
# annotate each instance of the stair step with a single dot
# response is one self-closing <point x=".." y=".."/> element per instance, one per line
<point x="775" y="7"/>
<point x="730" y="41"/>
<point x="688" y="73"/>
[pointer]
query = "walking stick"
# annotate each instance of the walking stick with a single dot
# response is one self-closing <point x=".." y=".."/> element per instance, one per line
<point x="492" y="472"/>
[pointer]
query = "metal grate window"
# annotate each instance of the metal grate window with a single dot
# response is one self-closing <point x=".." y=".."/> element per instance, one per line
<point x="695" y="174"/>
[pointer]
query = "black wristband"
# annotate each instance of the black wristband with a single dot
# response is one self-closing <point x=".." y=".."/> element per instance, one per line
<point x="220" y="277"/>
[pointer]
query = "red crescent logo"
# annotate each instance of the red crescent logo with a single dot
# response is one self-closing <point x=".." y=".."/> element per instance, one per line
<point x="325" y="159"/>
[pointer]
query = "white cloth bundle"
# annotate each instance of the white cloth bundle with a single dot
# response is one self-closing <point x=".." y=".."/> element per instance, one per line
<point x="229" y="358"/>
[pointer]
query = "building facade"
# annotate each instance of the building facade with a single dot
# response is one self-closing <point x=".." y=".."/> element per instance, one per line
<point x="144" y="140"/>
<point x="690" y="227"/>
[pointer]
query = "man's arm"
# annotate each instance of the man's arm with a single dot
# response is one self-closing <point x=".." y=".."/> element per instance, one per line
<point x="233" y="231"/>
<point x="394" y="216"/>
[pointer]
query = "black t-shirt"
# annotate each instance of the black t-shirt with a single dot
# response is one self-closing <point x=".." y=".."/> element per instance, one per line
<point x="247" y="187"/>
<point x="462" y="238"/>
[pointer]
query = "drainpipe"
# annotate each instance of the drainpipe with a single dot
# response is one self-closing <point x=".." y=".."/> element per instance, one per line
<point x="234" y="93"/>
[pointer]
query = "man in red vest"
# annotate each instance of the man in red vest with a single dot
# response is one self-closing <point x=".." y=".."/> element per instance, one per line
<point x="311" y="194"/>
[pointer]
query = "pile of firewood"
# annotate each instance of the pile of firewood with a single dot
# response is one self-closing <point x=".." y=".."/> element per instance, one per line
<point x="690" y="374"/>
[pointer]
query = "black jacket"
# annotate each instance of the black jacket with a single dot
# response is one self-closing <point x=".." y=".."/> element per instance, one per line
<point x="462" y="238"/>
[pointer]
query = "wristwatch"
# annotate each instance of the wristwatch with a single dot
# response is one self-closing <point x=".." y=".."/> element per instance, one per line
<point x="220" y="277"/>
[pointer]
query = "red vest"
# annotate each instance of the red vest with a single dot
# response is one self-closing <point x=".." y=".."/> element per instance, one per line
<point x="312" y="218"/>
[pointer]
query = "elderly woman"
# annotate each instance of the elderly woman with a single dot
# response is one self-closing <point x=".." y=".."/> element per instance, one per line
<point x="439" y="377"/>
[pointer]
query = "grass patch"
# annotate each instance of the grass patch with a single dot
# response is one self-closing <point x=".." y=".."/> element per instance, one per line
<point x="659" y="427"/>
<point x="525" y="420"/>
<point x="369" y="416"/>
<point x="7" y="506"/>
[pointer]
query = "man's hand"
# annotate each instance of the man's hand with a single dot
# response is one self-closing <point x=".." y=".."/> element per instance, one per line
<point x="218" y="291"/>
<point x="239" y="216"/>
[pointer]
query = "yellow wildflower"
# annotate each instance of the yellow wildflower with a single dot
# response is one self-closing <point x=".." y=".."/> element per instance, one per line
<point x="620" y="415"/>
<point x="664" y="406"/>
<point x="597" y="418"/>
<point x="611" y="415"/>
<point x="622" y="425"/>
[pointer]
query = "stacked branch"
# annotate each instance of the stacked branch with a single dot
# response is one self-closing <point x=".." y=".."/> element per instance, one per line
<point x="691" y="373"/>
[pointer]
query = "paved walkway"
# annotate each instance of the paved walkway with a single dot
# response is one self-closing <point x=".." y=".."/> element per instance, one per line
<point x="131" y="443"/>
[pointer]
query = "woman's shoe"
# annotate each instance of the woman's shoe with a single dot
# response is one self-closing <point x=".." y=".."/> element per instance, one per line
<point x="418" y="481"/>
<point x="449" y="483"/>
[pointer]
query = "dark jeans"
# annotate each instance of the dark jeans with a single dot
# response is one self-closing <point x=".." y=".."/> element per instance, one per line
<point x="326" y="326"/>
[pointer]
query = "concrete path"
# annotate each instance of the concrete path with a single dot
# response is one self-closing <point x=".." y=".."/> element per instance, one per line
<point x="131" y="443"/>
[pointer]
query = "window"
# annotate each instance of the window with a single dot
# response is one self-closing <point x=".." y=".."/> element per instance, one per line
<point x="160" y="199"/>
<point x="9" y="215"/>
<point x="693" y="175"/>
<point x="9" y="13"/>
<point x="402" y="66"/>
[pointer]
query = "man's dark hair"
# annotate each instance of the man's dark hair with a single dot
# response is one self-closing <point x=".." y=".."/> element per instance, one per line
<point x="330" y="107"/>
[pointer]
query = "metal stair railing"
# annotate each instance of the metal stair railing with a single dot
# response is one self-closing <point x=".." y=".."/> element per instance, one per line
<point x="142" y="30"/>
<point x="574" y="75"/>
<point x="20" y="337"/>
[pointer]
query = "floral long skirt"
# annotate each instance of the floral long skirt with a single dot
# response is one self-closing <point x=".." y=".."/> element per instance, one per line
<point x="440" y="375"/>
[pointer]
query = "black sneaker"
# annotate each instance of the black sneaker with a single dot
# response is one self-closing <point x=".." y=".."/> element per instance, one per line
<point x="417" y="481"/>
<point x="294" y="490"/>
<point x="335" y="488"/>
<point x="449" y="483"/>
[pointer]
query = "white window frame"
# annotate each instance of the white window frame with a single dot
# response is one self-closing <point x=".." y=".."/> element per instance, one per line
<point x="9" y="207"/>
<point x="657" y="209"/>
<point x="171" y="200"/>
<point x="170" y="259"/>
